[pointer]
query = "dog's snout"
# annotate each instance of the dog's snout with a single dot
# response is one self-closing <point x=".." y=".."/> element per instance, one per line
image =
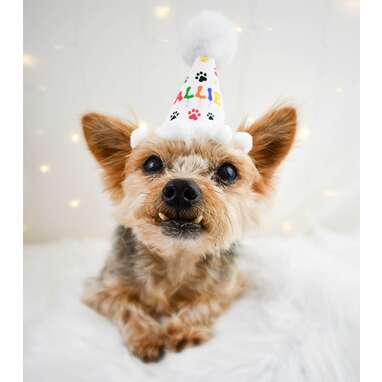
<point x="181" y="193"/>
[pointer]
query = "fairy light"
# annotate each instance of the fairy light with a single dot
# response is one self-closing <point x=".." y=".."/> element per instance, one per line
<point x="162" y="11"/>
<point x="45" y="168"/>
<point x="29" y="60"/>
<point x="304" y="134"/>
<point x="329" y="193"/>
<point x="287" y="227"/>
<point x="143" y="125"/>
<point x="352" y="4"/>
<point x="74" y="203"/>
<point x="239" y="29"/>
<point x="75" y="138"/>
<point x="42" y="88"/>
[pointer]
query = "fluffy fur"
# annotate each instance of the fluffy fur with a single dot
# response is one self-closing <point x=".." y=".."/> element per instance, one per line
<point x="299" y="322"/>
<point x="163" y="291"/>
<point x="209" y="34"/>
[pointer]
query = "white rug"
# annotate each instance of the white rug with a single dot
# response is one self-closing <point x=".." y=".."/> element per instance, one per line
<point x="300" y="322"/>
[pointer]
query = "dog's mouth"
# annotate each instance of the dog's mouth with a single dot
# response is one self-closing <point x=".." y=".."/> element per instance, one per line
<point x="181" y="228"/>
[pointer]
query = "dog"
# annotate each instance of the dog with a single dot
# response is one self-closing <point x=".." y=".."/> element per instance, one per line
<point x="182" y="208"/>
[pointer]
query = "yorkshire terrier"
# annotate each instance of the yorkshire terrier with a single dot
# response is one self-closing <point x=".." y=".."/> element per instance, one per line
<point x="182" y="209"/>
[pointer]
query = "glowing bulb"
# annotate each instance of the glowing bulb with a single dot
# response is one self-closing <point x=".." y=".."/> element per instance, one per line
<point x="143" y="125"/>
<point x="42" y="88"/>
<point x="75" y="138"/>
<point x="75" y="203"/>
<point x="339" y="90"/>
<point x="352" y="3"/>
<point x="304" y="134"/>
<point x="239" y="29"/>
<point x="329" y="193"/>
<point x="161" y="11"/>
<point x="45" y="168"/>
<point x="29" y="59"/>
<point x="287" y="227"/>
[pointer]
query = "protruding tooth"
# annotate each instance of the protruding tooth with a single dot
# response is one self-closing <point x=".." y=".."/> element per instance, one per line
<point x="162" y="216"/>
<point x="198" y="219"/>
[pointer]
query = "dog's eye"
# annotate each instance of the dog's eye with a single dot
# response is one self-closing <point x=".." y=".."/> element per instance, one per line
<point x="153" y="164"/>
<point x="227" y="173"/>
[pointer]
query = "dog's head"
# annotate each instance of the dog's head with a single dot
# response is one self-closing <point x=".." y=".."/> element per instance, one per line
<point x="193" y="197"/>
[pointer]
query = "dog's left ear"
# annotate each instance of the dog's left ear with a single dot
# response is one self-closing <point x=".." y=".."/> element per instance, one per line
<point x="109" y="141"/>
<point x="272" y="136"/>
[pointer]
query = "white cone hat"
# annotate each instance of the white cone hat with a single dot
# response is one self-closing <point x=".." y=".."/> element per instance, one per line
<point x="197" y="111"/>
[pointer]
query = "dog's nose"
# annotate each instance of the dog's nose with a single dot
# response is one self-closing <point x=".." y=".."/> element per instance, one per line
<point x="181" y="193"/>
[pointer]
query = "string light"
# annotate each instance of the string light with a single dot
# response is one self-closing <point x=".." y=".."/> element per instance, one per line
<point x="45" y="168"/>
<point x="352" y="3"/>
<point x="239" y="29"/>
<point x="162" y="11"/>
<point x="329" y="193"/>
<point x="75" y="203"/>
<point x="304" y="134"/>
<point x="42" y="88"/>
<point x="75" y="138"/>
<point x="287" y="227"/>
<point x="143" y="124"/>
<point x="29" y="60"/>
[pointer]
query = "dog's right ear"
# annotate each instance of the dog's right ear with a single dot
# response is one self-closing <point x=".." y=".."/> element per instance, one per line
<point x="109" y="141"/>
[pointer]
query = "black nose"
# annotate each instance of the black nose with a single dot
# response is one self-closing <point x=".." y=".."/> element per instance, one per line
<point x="181" y="193"/>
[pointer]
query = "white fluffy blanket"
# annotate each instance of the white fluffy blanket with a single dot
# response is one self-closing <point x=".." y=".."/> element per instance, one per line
<point x="299" y="323"/>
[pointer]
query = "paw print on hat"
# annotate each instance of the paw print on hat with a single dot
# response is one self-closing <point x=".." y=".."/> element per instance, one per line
<point x="174" y="115"/>
<point x="194" y="114"/>
<point x="201" y="76"/>
<point x="210" y="116"/>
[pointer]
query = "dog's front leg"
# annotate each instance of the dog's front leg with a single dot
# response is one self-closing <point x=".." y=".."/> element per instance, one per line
<point x="141" y="333"/>
<point x="192" y="325"/>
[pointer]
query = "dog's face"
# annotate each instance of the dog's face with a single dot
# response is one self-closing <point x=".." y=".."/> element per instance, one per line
<point x="197" y="197"/>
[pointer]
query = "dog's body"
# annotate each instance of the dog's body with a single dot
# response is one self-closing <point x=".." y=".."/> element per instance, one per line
<point x="182" y="209"/>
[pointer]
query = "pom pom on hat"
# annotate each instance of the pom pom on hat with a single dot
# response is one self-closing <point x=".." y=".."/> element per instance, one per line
<point x="209" y="34"/>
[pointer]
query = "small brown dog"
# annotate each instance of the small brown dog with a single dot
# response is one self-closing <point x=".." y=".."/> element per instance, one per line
<point x="182" y="208"/>
<point x="184" y="194"/>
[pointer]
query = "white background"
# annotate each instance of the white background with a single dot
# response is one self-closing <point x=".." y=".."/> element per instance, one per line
<point x="121" y="58"/>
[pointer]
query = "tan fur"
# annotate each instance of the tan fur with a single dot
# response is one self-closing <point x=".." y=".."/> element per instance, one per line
<point x="166" y="292"/>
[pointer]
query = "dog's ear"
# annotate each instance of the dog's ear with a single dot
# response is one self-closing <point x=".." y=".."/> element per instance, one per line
<point x="109" y="141"/>
<point x="273" y="135"/>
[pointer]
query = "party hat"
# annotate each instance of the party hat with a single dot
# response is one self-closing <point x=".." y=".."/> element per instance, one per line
<point x="197" y="111"/>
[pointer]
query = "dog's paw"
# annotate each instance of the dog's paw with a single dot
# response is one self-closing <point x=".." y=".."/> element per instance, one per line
<point x="180" y="335"/>
<point x="148" y="347"/>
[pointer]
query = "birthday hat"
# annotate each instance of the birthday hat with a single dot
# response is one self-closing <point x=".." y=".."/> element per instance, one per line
<point x="197" y="111"/>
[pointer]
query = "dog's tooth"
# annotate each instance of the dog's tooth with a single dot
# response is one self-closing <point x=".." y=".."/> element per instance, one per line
<point x="198" y="219"/>
<point x="162" y="216"/>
